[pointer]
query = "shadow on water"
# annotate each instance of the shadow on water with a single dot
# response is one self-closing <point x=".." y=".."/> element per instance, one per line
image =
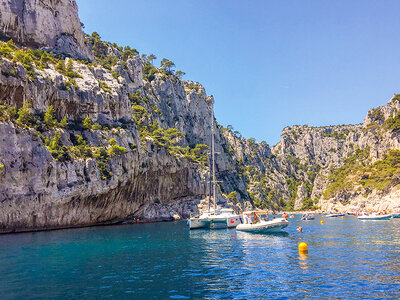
<point x="277" y="234"/>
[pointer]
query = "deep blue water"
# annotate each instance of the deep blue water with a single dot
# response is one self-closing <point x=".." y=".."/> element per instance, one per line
<point x="347" y="258"/>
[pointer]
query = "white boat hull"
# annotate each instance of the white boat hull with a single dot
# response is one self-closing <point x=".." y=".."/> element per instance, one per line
<point x="375" y="217"/>
<point x="334" y="215"/>
<point x="196" y="223"/>
<point x="264" y="226"/>
<point x="223" y="221"/>
<point x="215" y="221"/>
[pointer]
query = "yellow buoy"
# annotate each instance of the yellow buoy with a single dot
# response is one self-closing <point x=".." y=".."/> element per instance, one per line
<point x="322" y="222"/>
<point x="303" y="248"/>
<point x="342" y="217"/>
<point x="322" y="216"/>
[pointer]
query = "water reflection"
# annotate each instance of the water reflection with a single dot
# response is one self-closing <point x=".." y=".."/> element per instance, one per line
<point x="303" y="260"/>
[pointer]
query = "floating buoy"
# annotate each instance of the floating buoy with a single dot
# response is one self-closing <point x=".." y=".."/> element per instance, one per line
<point x="342" y="217"/>
<point x="137" y="221"/>
<point x="299" y="229"/>
<point x="303" y="248"/>
<point x="322" y="216"/>
<point x="322" y="222"/>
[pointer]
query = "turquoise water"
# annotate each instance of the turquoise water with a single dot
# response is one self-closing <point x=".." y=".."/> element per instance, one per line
<point x="347" y="258"/>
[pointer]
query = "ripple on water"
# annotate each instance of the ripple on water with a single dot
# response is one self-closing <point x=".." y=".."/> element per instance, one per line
<point x="347" y="258"/>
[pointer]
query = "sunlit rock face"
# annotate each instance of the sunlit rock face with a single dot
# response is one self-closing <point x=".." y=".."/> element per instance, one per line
<point x="52" y="24"/>
<point x="149" y="182"/>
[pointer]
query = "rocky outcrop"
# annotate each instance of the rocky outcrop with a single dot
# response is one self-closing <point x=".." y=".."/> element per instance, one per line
<point x="149" y="182"/>
<point x="49" y="24"/>
<point x="57" y="176"/>
<point x="312" y="154"/>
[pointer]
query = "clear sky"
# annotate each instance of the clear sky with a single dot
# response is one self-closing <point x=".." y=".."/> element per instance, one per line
<point x="269" y="64"/>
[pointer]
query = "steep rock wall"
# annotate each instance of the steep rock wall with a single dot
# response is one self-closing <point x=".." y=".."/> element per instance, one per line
<point x="52" y="24"/>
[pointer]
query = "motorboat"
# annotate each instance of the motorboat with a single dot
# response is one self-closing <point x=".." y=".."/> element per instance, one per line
<point x="334" y="215"/>
<point x="374" y="216"/>
<point x="396" y="215"/>
<point x="258" y="222"/>
<point x="307" y="217"/>
<point x="214" y="217"/>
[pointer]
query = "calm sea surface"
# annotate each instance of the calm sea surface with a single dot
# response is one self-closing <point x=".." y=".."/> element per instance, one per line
<point x="347" y="258"/>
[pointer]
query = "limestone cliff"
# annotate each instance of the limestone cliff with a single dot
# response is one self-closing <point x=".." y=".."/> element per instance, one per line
<point x="116" y="138"/>
<point x="85" y="144"/>
<point x="51" y="24"/>
<point x="346" y="167"/>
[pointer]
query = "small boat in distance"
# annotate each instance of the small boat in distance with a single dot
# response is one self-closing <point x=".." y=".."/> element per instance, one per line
<point x="334" y="215"/>
<point x="258" y="222"/>
<point x="307" y="217"/>
<point x="374" y="216"/>
<point x="396" y="214"/>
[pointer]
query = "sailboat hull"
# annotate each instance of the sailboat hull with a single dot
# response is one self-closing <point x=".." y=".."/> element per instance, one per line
<point x="215" y="222"/>
<point x="199" y="223"/>
<point x="224" y="221"/>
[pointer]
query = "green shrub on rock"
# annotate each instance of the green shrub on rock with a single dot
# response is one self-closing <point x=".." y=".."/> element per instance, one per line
<point x="87" y="123"/>
<point x="115" y="149"/>
<point x="6" y="51"/>
<point x="25" y="117"/>
<point x="63" y="123"/>
<point x="96" y="126"/>
<point x="57" y="148"/>
<point x="49" y="118"/>
<point x="101" y="156"/>
<point x="80" y="149"/>
<point x="26" y="60"/>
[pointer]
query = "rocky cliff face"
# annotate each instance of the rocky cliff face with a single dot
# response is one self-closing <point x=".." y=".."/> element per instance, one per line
<point x="346" y="168"/>
<point x="52" y="24"/>
<point x="118" y="139"/>
<point x="133" y="146"/>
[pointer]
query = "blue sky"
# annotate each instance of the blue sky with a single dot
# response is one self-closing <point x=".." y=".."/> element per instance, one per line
<point x="269" y="64"/>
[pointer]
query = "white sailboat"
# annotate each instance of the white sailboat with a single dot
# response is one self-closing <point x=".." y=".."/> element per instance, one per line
<point x="216" y="217"/>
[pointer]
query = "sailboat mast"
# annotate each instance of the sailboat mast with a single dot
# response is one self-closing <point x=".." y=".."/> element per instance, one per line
<point x="211" y="167"/>
<point x="213" y="159"/>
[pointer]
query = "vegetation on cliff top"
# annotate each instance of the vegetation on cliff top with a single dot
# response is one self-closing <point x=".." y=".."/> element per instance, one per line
<point x="359" y="173"/>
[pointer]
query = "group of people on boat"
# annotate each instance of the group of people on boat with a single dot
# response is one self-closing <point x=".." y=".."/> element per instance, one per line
<point x="254" y="218"/>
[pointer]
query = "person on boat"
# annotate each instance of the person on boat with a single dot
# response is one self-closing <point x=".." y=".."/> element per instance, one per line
<point x="256" y="218"/>
<point x="246" y="219"/>
<point x="284" y="216"/>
